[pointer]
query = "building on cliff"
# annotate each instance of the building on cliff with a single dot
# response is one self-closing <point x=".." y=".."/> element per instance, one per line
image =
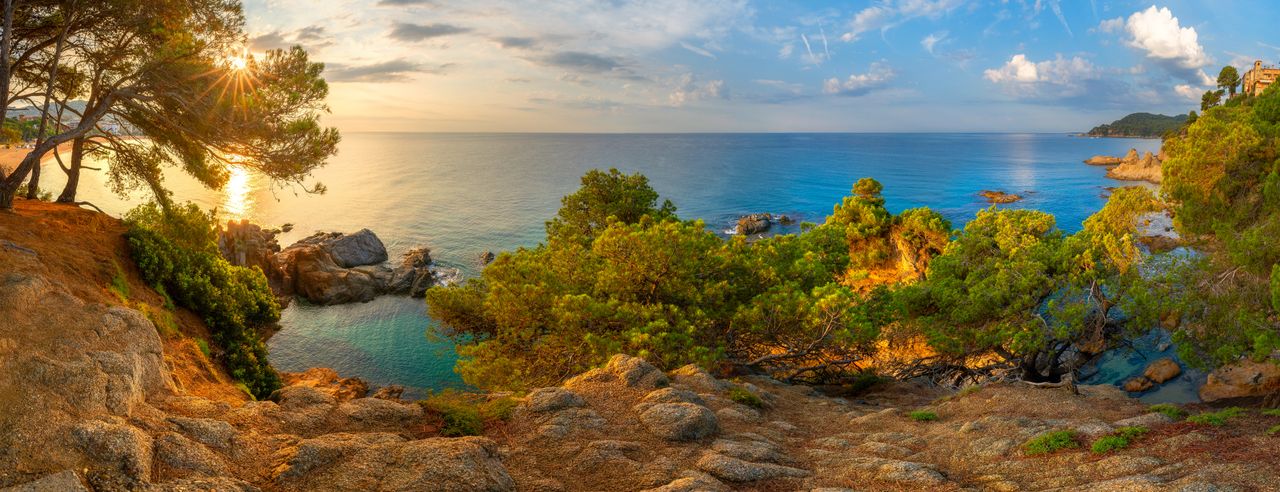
<point x="1259" y="78"/>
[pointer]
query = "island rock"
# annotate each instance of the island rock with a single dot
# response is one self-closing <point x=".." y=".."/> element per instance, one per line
<point x="996" y="196"/>
<point x="754" y="223"/>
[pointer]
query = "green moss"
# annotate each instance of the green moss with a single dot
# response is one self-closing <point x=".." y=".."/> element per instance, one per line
<point x="203" y="345"/>
<point x="1107" y="444"/>
<point x="1050" y="442"/>
<point x="1172" y="411"/>
<point x="746" y="397"/>
<point x="1273" y="430"/>
<point x="1272" y="412"/>
<point x="119" y="284"/>
<point x="1133" y="432"/>
<point x="1216" y="419"/>
<point x="923" y="416"/>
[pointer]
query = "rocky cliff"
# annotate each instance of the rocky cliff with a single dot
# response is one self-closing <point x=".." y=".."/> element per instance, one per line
<point x="1131" y="167"/>
<point x="95" y="398"/>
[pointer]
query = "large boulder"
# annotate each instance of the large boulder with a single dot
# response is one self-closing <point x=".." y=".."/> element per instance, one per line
<point x="349" y="250"/>
<point x="754" y="223"/>
<point x="678" y="421"/>
<point x="444" y="464"/>
<point x="1162" y="370"/>
<point x="313" y="273"/>
<point x="414" y="275"/>
<point x="1245" y="379"/>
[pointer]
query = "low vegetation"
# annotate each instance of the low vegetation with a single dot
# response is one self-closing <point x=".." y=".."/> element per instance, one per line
<point x="1170" y="410"/>
<point x="1140" y="125"/>
<point x="923" y="415"/>
<point x="175" y="252"/>
<point x="1050" y="442"/>
<point x="744" y="396"/>
<point x="1118" y="440"/>
<point x="1218" y="418"/>
<point x="464" y="414"/>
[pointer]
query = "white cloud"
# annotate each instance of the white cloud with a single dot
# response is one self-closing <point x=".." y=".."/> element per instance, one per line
<point x="688" y="89"/>
<point x="1188" y="92"/>
<point x="878" y="75"/>
<point x="890" y="13"/>
<point x="1158" y="34"/>
<point x="697" y="50"/>
<point x="1057" y="78"/>
<point x="932" y="40"/>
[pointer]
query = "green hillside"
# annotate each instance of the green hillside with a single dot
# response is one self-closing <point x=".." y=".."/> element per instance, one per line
<point x="1139" y="125"/>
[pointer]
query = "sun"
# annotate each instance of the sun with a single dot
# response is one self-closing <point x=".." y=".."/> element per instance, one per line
<point x="237" y="62"/>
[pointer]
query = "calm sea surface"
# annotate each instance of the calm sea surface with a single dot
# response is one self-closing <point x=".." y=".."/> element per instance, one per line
<point x="462" y="194"/>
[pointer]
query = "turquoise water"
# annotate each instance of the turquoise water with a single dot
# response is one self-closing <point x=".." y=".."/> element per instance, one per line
<point x="462" y="194"/>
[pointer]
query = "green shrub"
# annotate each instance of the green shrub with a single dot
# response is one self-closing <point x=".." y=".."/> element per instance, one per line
<point x="861" y="382"/>
<point x="1050" y="442"/>
<point x="464" y="414"/>
<point x="1218" y="418"/>
<point x="232" y="300"/>
<point x="1273" y="430"/>
<point x="1172" y="411"/>
<point x="745" y="397"/>
<point x="1272" y="412"/>
<point x="1107" y="444"/>
<point x="1132" y="432"/>
<point x="923" y="416"/>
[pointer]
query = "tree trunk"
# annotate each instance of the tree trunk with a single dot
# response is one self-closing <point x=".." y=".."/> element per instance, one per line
<point x="10" y="184"/>
<point x="33" y="186"/>
<point x="73" y="172"/>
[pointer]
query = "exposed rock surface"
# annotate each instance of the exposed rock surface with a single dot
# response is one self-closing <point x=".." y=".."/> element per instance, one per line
<point x="1131" y="167"/>
<point x="1156" y="373"/>
<point x="1244" y="379"/>
<point x="995" y="196"/>
<point x="335" y="268"/>
<point x="754" y="223"/>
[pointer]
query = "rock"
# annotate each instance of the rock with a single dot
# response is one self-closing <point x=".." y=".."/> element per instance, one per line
<point x="1138" y="384"/>
<point x="692" y="481"/>
<point x="63" y="481"/>
<point x="414" y="275"/>
<point x="737" y="470"/>
<point x="552" y="399"/>
<point x="679" y="421"/>
<point x="378" y="412"/>
<point x="179" y="457"/>
<point x="349" y="250"/>
<point x="754" y="224"/>
<point x="570" y="421"/>
<point x="311" y="272"/>
<point x="633" y="372"/>
<point x="1145" y="420"/>
<point x="995" y="196"/>
<point x="1244" y="379"/>
<point x="607" y="453"/>
<point x="486" y="257"/>
<point x="443" y="464"/>
<point x="699" y="380"/>
<point x="210" y="432"/>
<point x="311" y="454"/>
<point x="204" y="484"/>
<point x="245" y="244"/>
<point x="1094" y="428"/>
<point x="1133" y="168"/>
<point x="1162" y="370"/>
<point x="118" y="446"/>
<point x="299" y="397"/>
<point x="327" y="381"/>
<point x="750" y="450"/>
<point x="673" y="395"/>
<point x="1102" y="160"/>
<point x="389" y="392"/>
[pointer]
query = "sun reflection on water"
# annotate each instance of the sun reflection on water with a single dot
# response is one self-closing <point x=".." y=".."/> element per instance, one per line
<point x="237" y="203"/>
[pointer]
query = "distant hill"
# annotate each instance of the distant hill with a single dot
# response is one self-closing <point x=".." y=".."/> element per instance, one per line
<point x="1143" y="125"/>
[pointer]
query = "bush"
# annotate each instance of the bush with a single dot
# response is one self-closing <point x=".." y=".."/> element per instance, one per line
<point x="923" y="416"/>
<point x="463" y="414"/>
<point x="1218" y="418"/>
<point x="119" y="284"/>
<point x="1272" y="412"/>
<point x="1172" y="411"/>
<point x="745" y="397"/>
<point x="1274" y="430"/>
<point x="232" y="300"/>
<point x="1050" y="442"/>
<point x="203" y="346"/>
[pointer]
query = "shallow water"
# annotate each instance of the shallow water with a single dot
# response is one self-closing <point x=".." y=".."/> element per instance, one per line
<point x="462" y="194"/>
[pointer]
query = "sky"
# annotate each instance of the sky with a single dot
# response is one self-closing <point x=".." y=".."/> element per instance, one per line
<point x="762" y="66"/>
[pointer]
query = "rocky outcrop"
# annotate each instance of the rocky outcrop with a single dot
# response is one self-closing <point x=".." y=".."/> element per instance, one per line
<point x="1244" y="379"/>
<point x="335" y="268"/>
<point x="754" y="224"/>
<point x="246" y="244"/>
<point x="1131" y="167"/>
<point x="1156" y="373"/>
<point x="995" y="196"/>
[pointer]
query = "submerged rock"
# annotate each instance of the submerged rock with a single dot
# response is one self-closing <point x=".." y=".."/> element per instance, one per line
<point x="996" y="196"/>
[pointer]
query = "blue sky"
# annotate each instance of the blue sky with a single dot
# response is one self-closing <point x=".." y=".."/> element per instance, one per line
<point x="739" y="65"/>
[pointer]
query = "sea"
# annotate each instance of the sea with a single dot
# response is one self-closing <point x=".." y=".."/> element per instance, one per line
<point x="462" y="194"/>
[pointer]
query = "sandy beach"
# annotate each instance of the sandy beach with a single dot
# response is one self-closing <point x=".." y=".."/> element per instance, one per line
<point x="11" y="156"/>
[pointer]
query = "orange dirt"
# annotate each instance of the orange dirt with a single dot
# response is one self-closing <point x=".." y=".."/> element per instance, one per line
<point x="85" y="250"/>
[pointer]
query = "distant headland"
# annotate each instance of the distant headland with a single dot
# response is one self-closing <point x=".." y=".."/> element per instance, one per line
<point x="1138" y="125"/>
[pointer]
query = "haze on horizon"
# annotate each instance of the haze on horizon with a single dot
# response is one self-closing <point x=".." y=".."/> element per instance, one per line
<point x="742" y="65"/>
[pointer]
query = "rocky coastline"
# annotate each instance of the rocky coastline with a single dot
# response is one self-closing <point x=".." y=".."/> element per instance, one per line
<point x="1131" y="167"/>
<point x="330" y="268"/>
